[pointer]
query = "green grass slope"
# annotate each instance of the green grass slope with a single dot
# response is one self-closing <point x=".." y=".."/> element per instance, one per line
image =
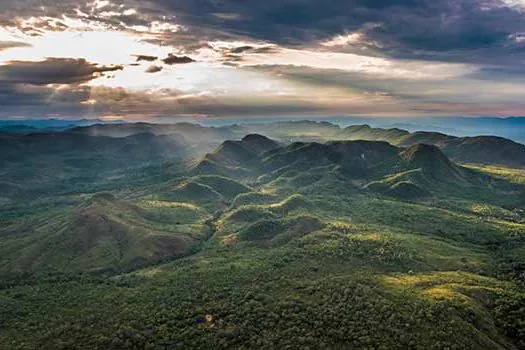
<point x="365" y="132"/>
<point x="425" y="171"/>
<point x="353" y="156"/>
<point x="302" y="252"/>
<point x="104" y="233"/>
<point x="235" y="158"/>
<point x="482" y="149"/>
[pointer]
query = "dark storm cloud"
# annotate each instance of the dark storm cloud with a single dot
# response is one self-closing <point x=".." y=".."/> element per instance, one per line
<point x="444" y="29"/>
<point x="241" y="49"/>
<point x="49" y="87"/>
<point x="42" y="101"/>
<point x="463" y="30"/>
<point x="174" y="59"/>
<point x="452" y="30"/>
<point x="252" y="49"/>
<point x="146" y="58"/>
<point x="231" y="56"/>
<point x="488" y="34"/>
<point x="52" y="71"/>
<point x="23" y="95"/>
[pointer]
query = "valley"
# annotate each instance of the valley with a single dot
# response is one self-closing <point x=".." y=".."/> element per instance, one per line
<point x="288" y="234"/>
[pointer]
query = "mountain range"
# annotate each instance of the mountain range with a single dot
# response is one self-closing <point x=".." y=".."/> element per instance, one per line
<point x="481" y="149"/>
<point x="290" y="234"/>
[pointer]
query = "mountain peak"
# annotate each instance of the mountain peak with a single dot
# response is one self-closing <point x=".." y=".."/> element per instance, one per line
<point x="420" y="153"/>
<point x="255" y="137"/>
<point x="259" y="143"/>
<point x="235" y="151"/>
<point x="429" y="158"/>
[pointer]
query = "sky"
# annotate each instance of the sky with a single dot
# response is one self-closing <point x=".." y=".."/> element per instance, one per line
<point x="148" y="59"/>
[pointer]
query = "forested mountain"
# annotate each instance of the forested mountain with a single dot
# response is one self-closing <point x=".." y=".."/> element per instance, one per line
<point x="292" y="235"/>
<point x="481" y="149"/>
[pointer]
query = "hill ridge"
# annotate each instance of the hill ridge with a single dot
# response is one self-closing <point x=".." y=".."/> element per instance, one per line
<point x="484" y="149"/>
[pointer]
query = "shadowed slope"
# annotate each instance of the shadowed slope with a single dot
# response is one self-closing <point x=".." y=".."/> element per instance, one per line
<point x="235" y="158"/>
<point x="417" y="171"/>
<point x="424" y="170"/>
<point x="354" y="156"/>
<point x="430" y="159"/>
<point x="259" y="143"/>
<point x="482" y="149"/>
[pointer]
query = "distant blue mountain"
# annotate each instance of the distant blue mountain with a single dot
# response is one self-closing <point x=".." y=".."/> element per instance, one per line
<point x="26" y="126"/>
<point x="511" y="127"/>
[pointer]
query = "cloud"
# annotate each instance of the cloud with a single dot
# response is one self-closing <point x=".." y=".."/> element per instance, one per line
<point x="53" y="87"/>
<point x="463" y="30"/>
<point x="88" y="101"/>
<point x="174" y="59"/>
<point x="439" y="29"/>
<point x="53" y="71"/>
<point x="449" y="30"/>
<point x="241" y="49"/>
<point x="153" y="69"/>
<point x="228" y="16"/>
<point x="344" y="40"/>
<point x="252" y="49"/>
<point x="318" y="92"/>
<point x="431" y="55"/>
<point x="43" y="101"/>
<point x="374" y="67"/>
<point x="468" y="95"/>
<point x="4" y="45"/>
<point x="233" y="53"/>
<point x="146" y="58"/>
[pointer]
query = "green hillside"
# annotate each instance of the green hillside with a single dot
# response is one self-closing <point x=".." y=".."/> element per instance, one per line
<point x="103" y="233"/>
<point x="264" y="244"/>
<point x="482" y="149"/>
